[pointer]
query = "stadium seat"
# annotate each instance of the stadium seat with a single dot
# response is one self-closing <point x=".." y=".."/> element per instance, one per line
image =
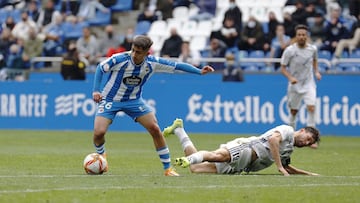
<point x="101" y="19"/>
<point x="181" y="13"/>
<point x="324" y="54"/>
<point x="355" y="54"/>
<point x="198" y="43"/>
<point x="16" y="14"/>
<point x="142" y="27"/>
<point x="204" y="28"/>
<point x="73" y="31"/>
<point x="258" y="54"/>
<point x="173" y="23"/>
<point x="158" y="28"/>
<point x="187" y="29"/>
<point x="122" y="5"/>
<point x="3" y="15"/>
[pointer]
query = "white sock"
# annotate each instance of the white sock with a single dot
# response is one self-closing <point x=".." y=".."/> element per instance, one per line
<point x="311" y="119"/>
<point x="292" y="121"/>
<point x="196" y="158"/>
<point x="183" y="138"/>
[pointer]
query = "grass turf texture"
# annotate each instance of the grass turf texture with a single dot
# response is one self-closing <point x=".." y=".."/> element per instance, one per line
<point x="46" y="166"/>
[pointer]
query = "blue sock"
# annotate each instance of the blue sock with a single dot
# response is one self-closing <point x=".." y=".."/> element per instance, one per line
<point x="164" y="155"/>
<point x="100" y="149"/>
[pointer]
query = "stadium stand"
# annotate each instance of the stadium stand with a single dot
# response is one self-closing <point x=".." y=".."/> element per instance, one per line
<point x="198" y="33"/>
<point x="101" y="19"/>
<point x="122" y="5"/>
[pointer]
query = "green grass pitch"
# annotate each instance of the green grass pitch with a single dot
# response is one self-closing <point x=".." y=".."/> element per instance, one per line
<point x="46" y="166"/>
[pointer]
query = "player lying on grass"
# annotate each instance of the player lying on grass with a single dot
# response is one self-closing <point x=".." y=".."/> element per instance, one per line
<point x="246" y="154"/>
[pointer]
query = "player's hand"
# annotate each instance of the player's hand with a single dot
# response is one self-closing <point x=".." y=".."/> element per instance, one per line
<point x="207" y="69"/>
<point x="318" y="75"/>
<point x="293" y="80"/>
<point x="97" y="96"/>
<point x="283" y="171"/>
<point x="314" y="174"/>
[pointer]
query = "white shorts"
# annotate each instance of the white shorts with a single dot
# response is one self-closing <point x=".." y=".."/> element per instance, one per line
<point x="240" y="153"/>
<point x="295" y="98"/>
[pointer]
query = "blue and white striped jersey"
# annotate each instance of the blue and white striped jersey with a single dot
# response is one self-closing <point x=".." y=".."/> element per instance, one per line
<point x="126" y="80"/>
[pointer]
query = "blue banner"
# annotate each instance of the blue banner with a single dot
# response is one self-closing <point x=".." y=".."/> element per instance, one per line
<point x="205" y="103"/>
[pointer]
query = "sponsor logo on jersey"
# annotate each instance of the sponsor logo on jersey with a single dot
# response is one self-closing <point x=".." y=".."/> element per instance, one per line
<point x="132" y="81"/>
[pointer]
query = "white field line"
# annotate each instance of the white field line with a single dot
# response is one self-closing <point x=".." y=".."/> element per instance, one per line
<point x="171" y="187"/>
<point x="112" y="175"/>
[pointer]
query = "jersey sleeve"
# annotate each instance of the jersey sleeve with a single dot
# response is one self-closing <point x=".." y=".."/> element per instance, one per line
<point x="285" y="58"/>
<point x="286" y="132"/>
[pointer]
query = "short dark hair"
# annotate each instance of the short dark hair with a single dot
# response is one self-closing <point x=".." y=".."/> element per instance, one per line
<point x="143" y="42"/>
<point x="315" y="133"/>
<point x="301" y="27"/>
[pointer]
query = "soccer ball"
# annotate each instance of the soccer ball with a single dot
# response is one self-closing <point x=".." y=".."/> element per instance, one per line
<point x="95" y="164"/>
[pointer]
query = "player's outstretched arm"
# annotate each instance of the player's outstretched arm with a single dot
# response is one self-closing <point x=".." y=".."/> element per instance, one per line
<point x="274" y="144"/>
<point x="292" y="170"/>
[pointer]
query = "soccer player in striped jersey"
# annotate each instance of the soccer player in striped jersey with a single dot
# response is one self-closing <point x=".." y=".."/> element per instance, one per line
<point x="245" y="154"/>
<point x="122" y="91"/>
<point x="298" y="65"/>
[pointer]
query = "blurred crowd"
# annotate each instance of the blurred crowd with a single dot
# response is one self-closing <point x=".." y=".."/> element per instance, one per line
<point x="35" y="28"/>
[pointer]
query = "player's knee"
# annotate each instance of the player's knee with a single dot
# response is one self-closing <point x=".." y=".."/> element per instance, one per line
<point x="154" y="130"/>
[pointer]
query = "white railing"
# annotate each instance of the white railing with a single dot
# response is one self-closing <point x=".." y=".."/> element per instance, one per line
<point x="330" y="64"/>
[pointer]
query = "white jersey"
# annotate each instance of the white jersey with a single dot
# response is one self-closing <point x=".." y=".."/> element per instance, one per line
<point x="300" y="65"/>
<point x="262" y="147"/>
<point x="126" y="79"/>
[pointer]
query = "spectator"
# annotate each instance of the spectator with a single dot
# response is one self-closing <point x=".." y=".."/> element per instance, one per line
<point x="70" y="7"/>
<point x="299" y="15"/>
<point x="33" y="47"/>
<point x="33" y="10"/>
<point x="108" y="40"/>
<point x="48" y="14"/>
<point x="165" y="8"/>
<point x="316" y="28"/>
<point x="289" y="25"/>
<point x="232" y="71"/>
<point x="21" y="29"/>
<point x="227" y="33"/>
<point x="148" y="15"/>
<point x="352" y="43"/>
<point x="252" y="36"/>
<point x="128" y="39"/>
<point x="354" y="7"/>
<point x="216" y="49"/>
<point x="207" y="10"/>
<point x="279" y="43"/>
<point x="272" y="25"/>
<point x="172" y="45"/>
<point x="88" y="9"/>
<point x="185" y="3"/>
<point x="108" y="3"/>
<point x="14" y="65"/>
<point x="87" y="46"/>
<point x="235" y="13"/>
<point x="114" y="50"/>
<point x="9" y="23"/>
<point x="189" y="56"/>
<point x="54" y="37"/>
<point x="6" y="40"/>
<point x="72" y="67"/>
<point x="334" y="31"/>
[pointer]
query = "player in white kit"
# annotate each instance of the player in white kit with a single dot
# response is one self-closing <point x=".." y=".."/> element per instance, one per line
<point x="246" y="154"/>
<point x="298" y="64"/>
<point x="301" y="60"/>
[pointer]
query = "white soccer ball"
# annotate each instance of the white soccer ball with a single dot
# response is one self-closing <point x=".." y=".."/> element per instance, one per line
<point x="95" y="164"/>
